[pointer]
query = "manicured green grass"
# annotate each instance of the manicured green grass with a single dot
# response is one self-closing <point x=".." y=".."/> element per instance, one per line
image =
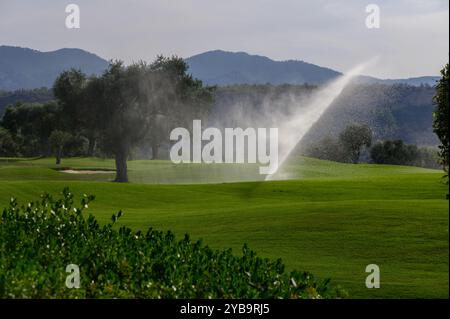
<point x="140" y="171"/>
<point x="331" y="219"/>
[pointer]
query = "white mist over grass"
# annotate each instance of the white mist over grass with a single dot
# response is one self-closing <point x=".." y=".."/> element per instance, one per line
<point x="293" y="112"/>
<point x="291" y="130"/>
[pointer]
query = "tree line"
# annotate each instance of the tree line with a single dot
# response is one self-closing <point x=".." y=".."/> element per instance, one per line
<point x="128" y="112"/>
<point x="111" y="114"/>
<point x="356" y="144"/>
<point x="356" y="139"/>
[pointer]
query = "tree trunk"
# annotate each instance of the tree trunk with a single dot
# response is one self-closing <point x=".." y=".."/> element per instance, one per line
<point x="91" y="146"/>
<point x="356" y="157"/>
<point x="155" y="149"/>
<point x="58" y="156"/>
<point x="121" y="167"/>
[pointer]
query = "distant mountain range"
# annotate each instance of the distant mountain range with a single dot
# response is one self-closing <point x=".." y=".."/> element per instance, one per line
<point x="23" y="68"/>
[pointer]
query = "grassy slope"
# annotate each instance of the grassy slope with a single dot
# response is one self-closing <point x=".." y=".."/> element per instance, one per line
<point x="333" y="220"/>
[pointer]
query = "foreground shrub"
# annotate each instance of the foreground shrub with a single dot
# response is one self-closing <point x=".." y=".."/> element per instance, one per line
<point x="40" y="239"/>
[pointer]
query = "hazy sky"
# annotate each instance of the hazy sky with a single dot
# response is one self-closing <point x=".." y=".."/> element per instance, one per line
<point x="412" y="39"/>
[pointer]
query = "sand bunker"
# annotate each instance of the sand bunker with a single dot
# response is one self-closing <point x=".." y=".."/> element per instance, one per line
<point x="72" y="171"/>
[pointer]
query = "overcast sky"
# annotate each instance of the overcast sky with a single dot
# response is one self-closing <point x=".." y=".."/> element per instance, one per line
<point x="412" y="39"/>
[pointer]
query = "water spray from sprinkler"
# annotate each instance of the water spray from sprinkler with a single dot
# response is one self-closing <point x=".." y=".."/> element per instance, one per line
<point x="295" y="128"/>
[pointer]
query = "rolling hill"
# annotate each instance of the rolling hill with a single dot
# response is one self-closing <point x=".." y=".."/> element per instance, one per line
<point x="332" y="219"/>
<point x="23" y="68"/>
<point x="230" y="68"/>
<point x="227" y="68"/>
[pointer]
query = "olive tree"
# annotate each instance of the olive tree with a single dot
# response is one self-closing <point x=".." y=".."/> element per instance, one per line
<point x="353" y="138"/>
<point x="58" y="139"/>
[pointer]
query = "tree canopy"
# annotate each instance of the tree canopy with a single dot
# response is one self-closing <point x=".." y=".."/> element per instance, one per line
<point x="129" y="104"/>
<point x="441" y="116"/>
<point x="353" y="138"/>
